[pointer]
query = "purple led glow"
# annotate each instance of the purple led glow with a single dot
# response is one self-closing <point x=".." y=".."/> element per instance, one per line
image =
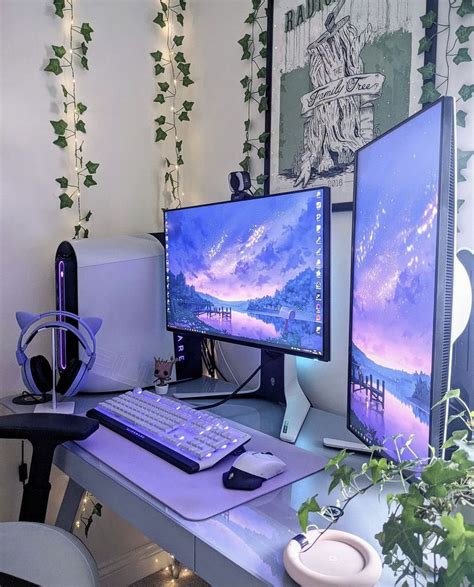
<point x="61" y="308"/>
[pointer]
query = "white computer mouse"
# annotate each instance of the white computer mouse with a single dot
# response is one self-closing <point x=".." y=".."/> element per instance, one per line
<point x="251" y="469"/>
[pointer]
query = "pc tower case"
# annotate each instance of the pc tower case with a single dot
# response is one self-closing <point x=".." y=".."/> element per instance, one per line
<point x="121" y="280"/>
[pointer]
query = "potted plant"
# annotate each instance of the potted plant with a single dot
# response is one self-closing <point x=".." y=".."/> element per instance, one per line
<point x="163" y="368"/>
<point x="426" y="539"/>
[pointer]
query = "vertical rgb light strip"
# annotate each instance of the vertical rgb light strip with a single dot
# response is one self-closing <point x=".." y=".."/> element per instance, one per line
<point x="61" y="271"/>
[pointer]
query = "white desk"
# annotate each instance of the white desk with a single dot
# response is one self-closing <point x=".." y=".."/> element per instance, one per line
<point x="243" y="546"/>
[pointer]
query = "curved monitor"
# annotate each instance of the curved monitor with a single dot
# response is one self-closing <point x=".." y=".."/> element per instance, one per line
<point x="254" y="271"/>
<point x="402" y="277"/>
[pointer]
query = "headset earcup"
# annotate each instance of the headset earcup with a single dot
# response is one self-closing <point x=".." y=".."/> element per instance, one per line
<point x="41" y="373"/>
<point x="71" y="377"/>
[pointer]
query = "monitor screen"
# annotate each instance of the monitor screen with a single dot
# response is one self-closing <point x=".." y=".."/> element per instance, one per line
<point x="395" y="268"/>
<point x="254" y="271"/>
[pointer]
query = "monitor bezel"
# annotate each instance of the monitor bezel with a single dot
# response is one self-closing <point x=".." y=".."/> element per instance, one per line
<point x="443" y="286"/>
<point x="325" y="356"/>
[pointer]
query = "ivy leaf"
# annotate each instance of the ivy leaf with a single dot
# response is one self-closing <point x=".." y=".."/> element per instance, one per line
<point x="310" y="505"/>
<point x="183" y="116"/>
<point x="84" y="48"/>
<point x="251" y="18"/>
<point x="86" y="31"/>
<point x="164" y="86"/>
<point x="65" y="201"/>
<point x="180" y="160"/>
<point x="160" y="135"/>
<point x="60" y="142"/>
<point x="179" y="57"/>
<point x="463" y="33"/>
<point x="187" y="81"/>
<point x="262" y="37"/>
<point x="59" y="51"/>
<point x="245" y="164"/>
<point x="180" y="19"/>
<point x="263" y="52"/>
<point x="179" y="145"/>
<point x="65" y="107"/>
<point x="59" y="7"/>
<point x="461" y="56"/>
<point x="59" y="126"/>
<point x="80" y="126"/>
<point x="247" y="147"/>
<point x="64" y="89"/>
<point x="461" y="118"/>
<point x="244" y="42"/>
<point x="466" y="8"/>
<point x="424" y="45"/>
<point x="463" y="159"/>
<point x="262" y="72"/>
<point x="159" y="98"/>
<point x="427" y="71"/>
<point x="188" y="105"/>
<point x="245" y="81"/>
<point x="247" y="95"/>
<point x="164" y="7"/>
<point x="428" y="19"/>
<point x="466" y="92"/>
<point x="258" y="192"/>
<point x="89" y="181"/>
<point x="262" y="89"/>
<point x="256" y="4"/>
<point x="263" y="104"/>
<point x="168" y="162"/>
<point x="261" y="179"/>
<point x="428" y="94"/>
<point x="182" y="3"/>
<point x="81" y="108"/>
<point x="87" y="217"/>
<point x="246" y="125"/>
<point x="263" y="137"/>
<point x="184" y="68"/>
<point x="54" y="66"/>
<point x="261" y="153"/>
<point x="161" y="119"/>
<point x="84" y="62"/>
<point x="157" y="55"/>
<point x="178" y="40"/>
<point x="63" y="182"/>
<point x="92" y="167"/>
<point x="159" y="69"/>
<point x="160" y="19"/>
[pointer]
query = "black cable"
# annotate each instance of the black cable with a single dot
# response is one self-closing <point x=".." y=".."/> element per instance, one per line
<point x="236" y="391"/>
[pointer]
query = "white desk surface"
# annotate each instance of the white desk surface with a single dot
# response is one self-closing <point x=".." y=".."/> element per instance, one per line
<point x="243" y="546"/>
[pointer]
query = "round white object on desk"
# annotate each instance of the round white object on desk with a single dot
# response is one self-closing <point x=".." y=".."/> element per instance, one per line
<point x="336" y="559"/>
<point x="161" y="389"/>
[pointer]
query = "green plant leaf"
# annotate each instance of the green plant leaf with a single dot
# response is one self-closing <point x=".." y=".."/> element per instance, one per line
<point x="160" y="135"/>
<point x="60" y="126"/>
<point x="466" y="7"/>
<point x="164" y="86"/>
<point x="183" y="116"/>
<point x="180" y="161"/>
<point x="263" y="104"/>
<point x="97" y="509"/>
<point x="247" y="147"/>
<point x="63" y="182"/>
<point x="60" y="142"/>
<point x="263" y="52"/>
<point x="179" y="57"/>
<point x="461" y="118"/>
<point x="178" y="40"/>
<point x="256" y="4"/>
<point x="85" y="62"/>
<point x="188" y="106"/>
<point x="247" y="95"/>
<point x="424" y="45"/>
<point x="80" y="126"/>
<point x="65" y="107"/>
<point x="341" y="475"/>
<point x="258" y="192"/>
<point x="262" y="72"/>
<point x="462" y="56"/>
<point x="81" y="108"/>
<point x="84" y="48"/>
<point x="245" y="164"/>
<point x="262" y="37"/>
<point x="182" y="3"/>
<point x="159" y="69"/>
<point x="244" y="42"/>
<point x="263" y="137"/>
<point x="179" y="145"/>
<point x="187" y="81"/>
<point x="54" y="66"/>
<point x="396" y="533"/>
<point x="59" y="7"/>
<point x="160" y="19"/>
<point x="463" y="33"/>
<point x="246" y="125"/>
<point x="427" y="71"/>
<point x="180" y="19"/>
<point x="86" y="31"/>
<point x="307" y="507"/>
<point x="466" y="92"/>
<point x="428" y="19"/>
<point x="87" y="217"/>
<point x="184" y="68"/>
<point x="462" y="160"/>
<point x="89" y="181"/>
<point x="164" y="7"/>
<point x="159" y="98"/>
<point x="251" y="18"/>
<point x="161" y="119"/>
<point x="428" y="94"/>
<point x="59" y="51"/>
<point x="64" y="89"/>
<point x="245" y="81"/>
<point x="262" y="89"/>
<point x="261" y="178"/>
<point x="92" y="167"/>
<point x="157" y="55"/>
<point x="65" y="201"/>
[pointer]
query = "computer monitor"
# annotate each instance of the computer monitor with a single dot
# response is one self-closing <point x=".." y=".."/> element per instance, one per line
<point x="402" y="282"/>
<point x="253" y="272"/>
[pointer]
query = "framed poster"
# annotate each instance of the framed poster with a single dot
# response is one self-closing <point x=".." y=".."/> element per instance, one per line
<point x="342" y="73"/>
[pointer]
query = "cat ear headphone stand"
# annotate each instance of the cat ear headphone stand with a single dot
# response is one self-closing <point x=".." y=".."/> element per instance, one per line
<point x="37" y="374"/>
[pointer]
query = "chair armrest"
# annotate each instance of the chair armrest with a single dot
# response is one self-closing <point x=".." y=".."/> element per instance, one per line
<point x="50" y="428"/>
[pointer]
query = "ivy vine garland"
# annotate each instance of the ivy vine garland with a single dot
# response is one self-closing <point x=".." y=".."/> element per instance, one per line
<point x="172" y="71"/>
<point x="66" y="131"/>
<point x="254" y="50"/>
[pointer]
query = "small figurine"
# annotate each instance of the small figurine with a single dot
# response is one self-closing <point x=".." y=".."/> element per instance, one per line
<point x="163" y="368"/>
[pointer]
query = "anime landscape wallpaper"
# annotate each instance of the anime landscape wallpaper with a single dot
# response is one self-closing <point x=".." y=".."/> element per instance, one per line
<point x="394" y="281"/>
<point x="251" y="270"/>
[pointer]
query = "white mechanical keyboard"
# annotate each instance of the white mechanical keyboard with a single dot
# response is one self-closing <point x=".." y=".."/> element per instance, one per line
<point x="192" y="440"/>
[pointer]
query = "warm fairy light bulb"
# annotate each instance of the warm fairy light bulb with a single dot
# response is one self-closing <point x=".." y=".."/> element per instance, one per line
<point x="76" y="169"/>
<point x="172" y="108"/>
<point x="175" y="81"/>
<point x="85" y="500"/>
<point x="70" y="50"/>
<point x="78" y="523"/>
<point x="177" y="167"/>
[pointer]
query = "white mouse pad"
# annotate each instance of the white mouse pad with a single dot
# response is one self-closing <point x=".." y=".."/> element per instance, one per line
<point x="201" y="495"/>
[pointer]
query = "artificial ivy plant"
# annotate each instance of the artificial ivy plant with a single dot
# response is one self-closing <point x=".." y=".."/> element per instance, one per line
<point x="70" y="130"/>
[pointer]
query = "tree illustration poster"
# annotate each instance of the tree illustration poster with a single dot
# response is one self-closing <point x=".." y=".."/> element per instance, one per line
<point x="343" y="72"/>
